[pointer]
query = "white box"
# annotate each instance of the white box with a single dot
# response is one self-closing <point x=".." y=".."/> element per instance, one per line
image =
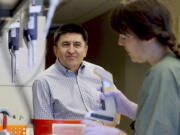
<point x="68" y="129"/>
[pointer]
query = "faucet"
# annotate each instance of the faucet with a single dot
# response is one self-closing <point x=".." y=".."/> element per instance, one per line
<point x="5" y="113"/>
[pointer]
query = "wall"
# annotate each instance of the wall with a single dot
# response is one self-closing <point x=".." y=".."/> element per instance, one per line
<point x="17" y="97"/>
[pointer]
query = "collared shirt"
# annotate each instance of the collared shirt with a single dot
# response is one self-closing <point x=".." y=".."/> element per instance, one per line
<point x="62" y="94"/>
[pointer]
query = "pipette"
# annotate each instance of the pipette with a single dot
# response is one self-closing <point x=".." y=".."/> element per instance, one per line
<point x="14" y="47"/>
<point x="31" y="33"/>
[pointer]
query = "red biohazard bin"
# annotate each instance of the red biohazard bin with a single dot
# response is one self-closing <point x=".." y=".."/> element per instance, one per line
<point x="44" y="126"/>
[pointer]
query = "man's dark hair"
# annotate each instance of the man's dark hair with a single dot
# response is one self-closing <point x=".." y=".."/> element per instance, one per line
<point x="70" y="28"/>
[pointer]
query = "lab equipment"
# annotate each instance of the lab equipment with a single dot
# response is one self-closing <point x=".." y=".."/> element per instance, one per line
<point x="31" y="33"/>
<point x="17" y="129"/>
<point x="13" y="41"/>
<point x="11" y="129"/>
<point x="108" y="112"/>
<point x="123" y="104"/>
<point x="68" y="129"/>
<point x="52" y="8"/>
<point x="45" y="126"/>
<point x="4" y="129"/>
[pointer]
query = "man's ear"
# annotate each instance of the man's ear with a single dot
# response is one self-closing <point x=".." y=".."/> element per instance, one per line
<point x="86" y="50"/>
<point x="55" y="50"/>
<point x="150" y="42"/>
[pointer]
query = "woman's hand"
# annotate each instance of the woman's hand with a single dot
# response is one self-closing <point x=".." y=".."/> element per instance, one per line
<point x="123" y="104"/>
<point x="94" y="128"/>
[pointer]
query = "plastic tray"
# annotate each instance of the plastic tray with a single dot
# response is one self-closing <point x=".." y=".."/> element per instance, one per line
<point x="16" y="129"/>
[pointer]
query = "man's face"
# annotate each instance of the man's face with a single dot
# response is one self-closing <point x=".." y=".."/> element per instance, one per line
<point x="71" y="50"/>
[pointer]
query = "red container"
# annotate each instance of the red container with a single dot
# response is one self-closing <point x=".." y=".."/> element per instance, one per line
<point x="44" y="126"/>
